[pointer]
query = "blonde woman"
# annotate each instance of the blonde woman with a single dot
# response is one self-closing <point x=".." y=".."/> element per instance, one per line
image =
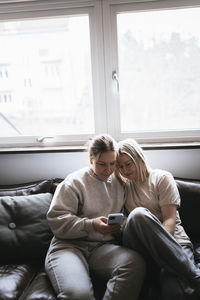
<point x="153" y="226"/>
<point x="83" y="242"/>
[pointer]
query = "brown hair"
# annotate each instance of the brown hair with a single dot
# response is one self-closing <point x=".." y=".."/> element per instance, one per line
<point x="101" y="143"/>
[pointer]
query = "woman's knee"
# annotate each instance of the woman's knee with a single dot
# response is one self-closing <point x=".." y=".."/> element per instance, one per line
<point x="138" y="215"/>
<point x="69" y="274"/>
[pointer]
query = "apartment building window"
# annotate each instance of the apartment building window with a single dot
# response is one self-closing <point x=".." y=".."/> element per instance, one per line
<point x="3" y="71"/>
<point x="77" y="68"/>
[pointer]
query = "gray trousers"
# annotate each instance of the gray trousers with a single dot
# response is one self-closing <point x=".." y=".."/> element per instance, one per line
<point x="69" y="265"/>
<point x="145" y="233"/>
<point x="172" y="287"/>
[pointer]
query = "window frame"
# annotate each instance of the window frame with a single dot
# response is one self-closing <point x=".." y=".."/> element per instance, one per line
<point x="45" y="9"/>
<point x="104" y="61"/>
<point x="110" y="10"/>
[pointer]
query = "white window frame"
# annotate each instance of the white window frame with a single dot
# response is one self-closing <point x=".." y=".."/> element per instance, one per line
<point x="110" y="10"/>
<point x="103" y="31"/>
<point x="42" y="9"/>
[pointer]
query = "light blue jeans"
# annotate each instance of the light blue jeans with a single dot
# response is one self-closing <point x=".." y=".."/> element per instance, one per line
<point x="68" y="265"/>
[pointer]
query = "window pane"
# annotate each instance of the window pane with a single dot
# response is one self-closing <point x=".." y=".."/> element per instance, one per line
<point x="45" y="77"/>
<point x="159" y="69"/>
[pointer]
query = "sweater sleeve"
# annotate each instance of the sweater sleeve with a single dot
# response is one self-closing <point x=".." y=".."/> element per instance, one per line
<point x="62" y="214"/>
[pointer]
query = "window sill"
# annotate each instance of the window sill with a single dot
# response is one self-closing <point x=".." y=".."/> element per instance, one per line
<point x="150" y="146"/>
<point x="42" y="149"/>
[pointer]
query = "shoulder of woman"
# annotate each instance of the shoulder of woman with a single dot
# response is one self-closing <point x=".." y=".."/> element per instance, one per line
<point x="158" y="176"/>
<point x="77" y="176"/>
<point x="159" y="173"/>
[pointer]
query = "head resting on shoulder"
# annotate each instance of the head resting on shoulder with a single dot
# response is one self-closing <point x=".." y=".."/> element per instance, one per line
<point x="133" y="150"/>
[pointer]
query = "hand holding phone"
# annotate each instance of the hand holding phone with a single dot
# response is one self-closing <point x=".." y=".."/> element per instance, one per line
<point x="116" y="218"/>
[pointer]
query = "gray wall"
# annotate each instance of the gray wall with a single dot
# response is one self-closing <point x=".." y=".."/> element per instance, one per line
<point x="21" y="168"/>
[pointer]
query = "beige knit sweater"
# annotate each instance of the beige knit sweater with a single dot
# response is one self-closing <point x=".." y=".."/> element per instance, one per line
<point x="81" y="197"/>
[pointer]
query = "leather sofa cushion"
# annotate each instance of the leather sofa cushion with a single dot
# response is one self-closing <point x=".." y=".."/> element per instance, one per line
<point x="190" y="207"/>
<point x="24" y="230"/>
<point x="15" y="278"/>
<point x="197" y="253"/>
<point x="40" y="288"/>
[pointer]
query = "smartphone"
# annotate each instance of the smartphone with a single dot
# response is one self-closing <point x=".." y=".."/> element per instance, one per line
<point x="115" y="218"/>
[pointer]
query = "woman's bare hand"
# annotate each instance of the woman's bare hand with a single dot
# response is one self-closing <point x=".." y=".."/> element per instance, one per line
<point x="100" y="225"/>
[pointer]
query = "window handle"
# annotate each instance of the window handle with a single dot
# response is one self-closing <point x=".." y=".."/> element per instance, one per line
<point x="42" y="138"/>
<point x="115" y="77"/>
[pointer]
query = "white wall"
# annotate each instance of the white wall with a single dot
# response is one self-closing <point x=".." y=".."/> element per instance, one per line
<point x="21" y="168"/>
<point x="183" y="163"/>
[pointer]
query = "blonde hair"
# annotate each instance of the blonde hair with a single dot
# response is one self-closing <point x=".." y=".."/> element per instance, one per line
<point x="99" y="144"/>
<point x="131" y="148"/>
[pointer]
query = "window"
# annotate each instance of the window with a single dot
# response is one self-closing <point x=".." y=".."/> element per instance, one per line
<point x="72" y="69"/>
<point x="50" y="76"/>
<point x="156" y="69"/>
<point x="159" y="69"/>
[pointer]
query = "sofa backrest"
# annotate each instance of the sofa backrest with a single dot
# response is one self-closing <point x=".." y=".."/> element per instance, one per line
<point x="36" y="187"/>
<point x="24" y="230"/>
<point x="190" y="207"/>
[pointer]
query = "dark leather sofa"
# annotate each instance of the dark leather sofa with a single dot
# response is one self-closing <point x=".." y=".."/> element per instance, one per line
<point x="25" y="237"/>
